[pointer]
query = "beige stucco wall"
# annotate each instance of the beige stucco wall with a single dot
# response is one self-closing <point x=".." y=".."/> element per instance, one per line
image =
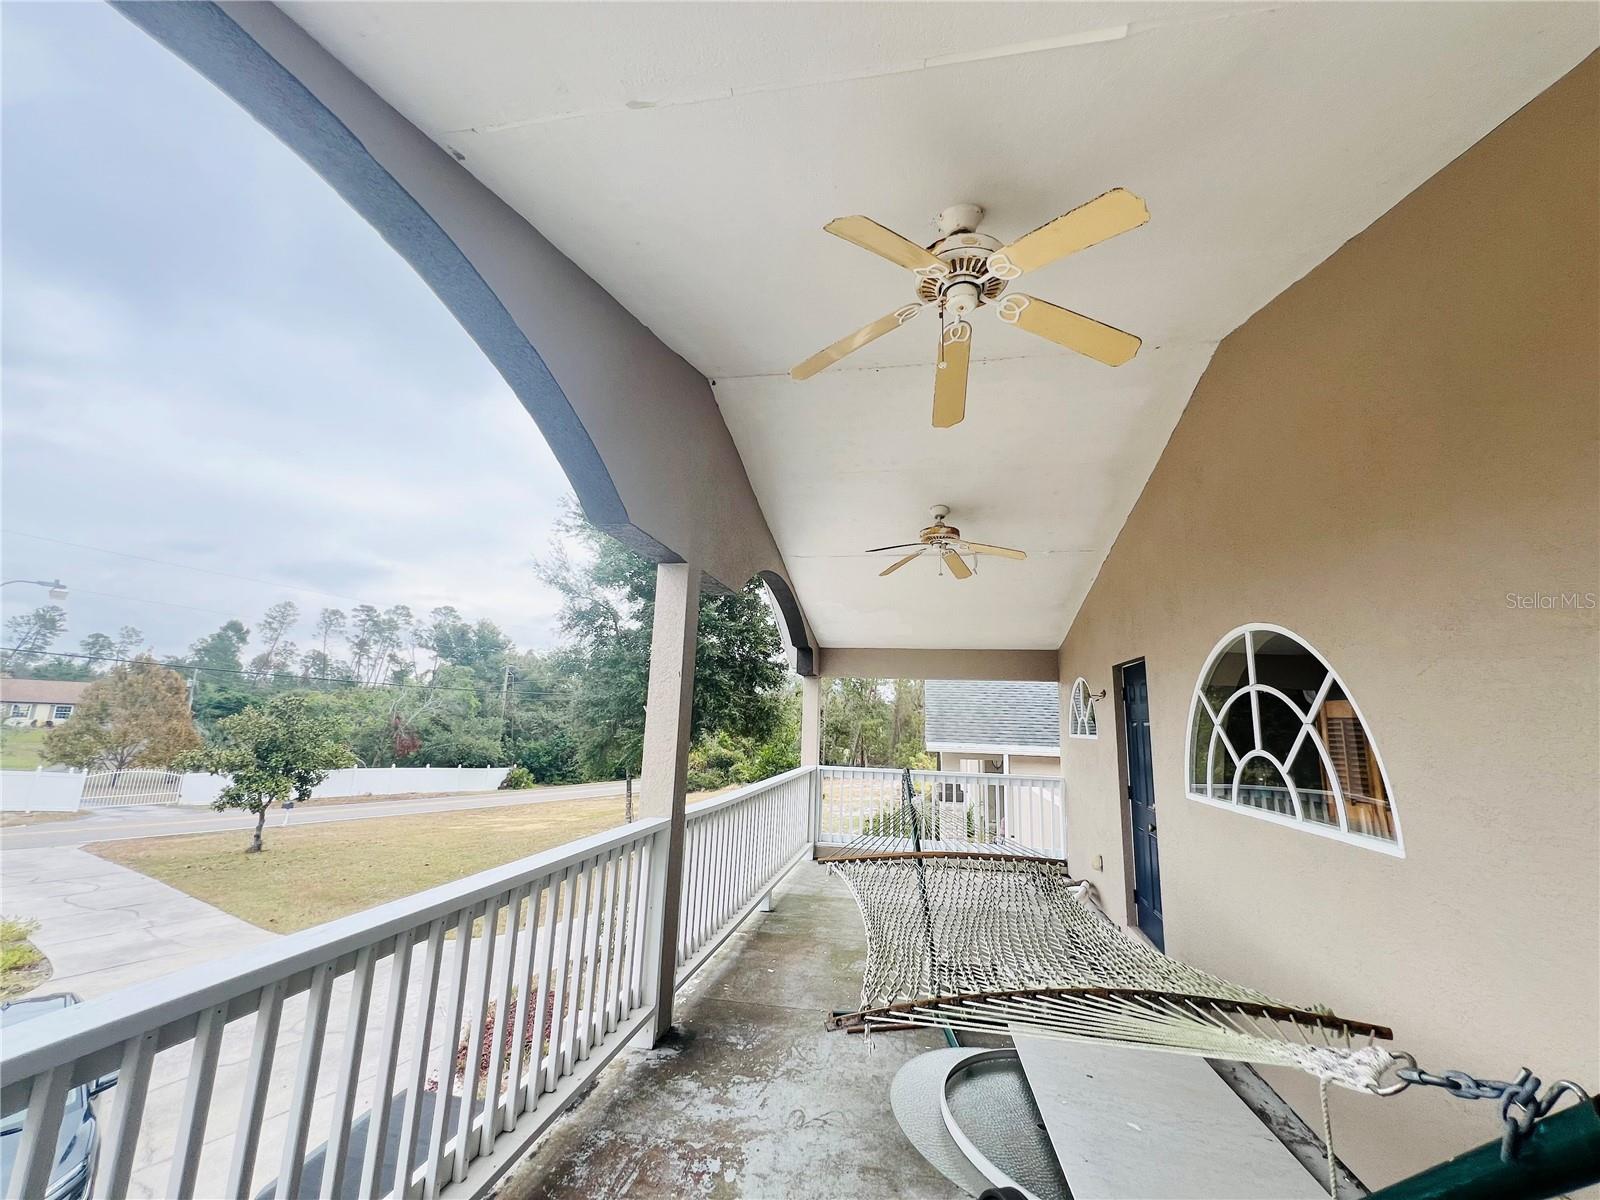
<point x="1035" y="764"/>
<point x="1374" y="461"/>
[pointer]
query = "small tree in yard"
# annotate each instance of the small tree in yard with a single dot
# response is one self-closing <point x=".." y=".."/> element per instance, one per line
<point x="136" y="715"/>
<point x="280" y="749"/>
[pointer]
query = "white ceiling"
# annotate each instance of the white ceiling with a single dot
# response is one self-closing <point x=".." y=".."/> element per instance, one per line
<point x="687" y="155"/>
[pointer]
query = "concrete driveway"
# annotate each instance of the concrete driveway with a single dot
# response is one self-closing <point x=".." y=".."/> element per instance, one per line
<point x="104" y="927"/>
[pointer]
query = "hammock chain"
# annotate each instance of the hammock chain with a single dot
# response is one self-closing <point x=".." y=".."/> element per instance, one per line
<point x="1521" y="1105"/>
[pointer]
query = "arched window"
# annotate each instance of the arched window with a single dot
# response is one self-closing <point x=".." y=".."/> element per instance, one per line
<point x="1080" y="713"/>
<point x="1274" y="733"/>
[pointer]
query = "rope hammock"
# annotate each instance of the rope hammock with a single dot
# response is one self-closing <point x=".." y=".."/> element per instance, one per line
<point x="992" y="936"/>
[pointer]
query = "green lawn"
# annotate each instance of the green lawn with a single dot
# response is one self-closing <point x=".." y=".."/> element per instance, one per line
<point x="22" y="967"/>
<point x="20" y="748"/>
<point x="315" y="873"/>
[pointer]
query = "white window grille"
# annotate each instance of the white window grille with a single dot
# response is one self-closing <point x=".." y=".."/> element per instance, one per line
<point x="21" y="710"/>
<point x="63" y="711"/>
<point x="1274" y="733"/>
<point x="1080" y="712"/>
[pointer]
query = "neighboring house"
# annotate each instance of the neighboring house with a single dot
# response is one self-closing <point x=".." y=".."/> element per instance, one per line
<point x="39" y="701"/>
<point x="993" y="726"/>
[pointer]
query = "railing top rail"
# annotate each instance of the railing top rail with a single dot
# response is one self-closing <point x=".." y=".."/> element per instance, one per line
<point x="936" y="776"/>
<point x="745" y="792"/>
<point x="55" y="1038"/>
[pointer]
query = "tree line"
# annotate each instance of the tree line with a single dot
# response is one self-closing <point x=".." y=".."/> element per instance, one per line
<point x="447" y="690"/>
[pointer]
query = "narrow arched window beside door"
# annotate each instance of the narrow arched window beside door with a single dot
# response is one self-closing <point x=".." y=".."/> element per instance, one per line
<point x="1274" y="733"/>
<point x="1080" y="712"/>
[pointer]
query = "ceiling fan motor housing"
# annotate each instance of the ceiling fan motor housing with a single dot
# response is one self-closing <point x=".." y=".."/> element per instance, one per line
<point x="966" y="283"/>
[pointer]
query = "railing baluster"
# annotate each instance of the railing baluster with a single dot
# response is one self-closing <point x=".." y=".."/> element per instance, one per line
<point x="417" y="1072"/>
<point x="36" y="1140"/>
<point x="505" y="1016"/>
<point x="522" y="977"/>
<point x="127" y="1114"/>
<point x="584" y="996"/>
<point x="642" y="893"/>
<point x="383" y="1079"/>
<point x="573" y="991"/>
<point x="545" y="1051"/>
<point x="445" y="1063"/>
<point x="602" y="1008"/>
<point x="305" y="1086"/>
<point x="619" y="981"/>
<point x="692" y="837"/>
<point x="564" y="948"/>
<point x="196" y="1102"/>
<point x="344" y="1098"/>
<point x="478" y="1012"/>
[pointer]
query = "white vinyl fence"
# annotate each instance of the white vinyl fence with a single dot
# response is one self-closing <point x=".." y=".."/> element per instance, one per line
<point x="457" y="1023"/>
<point x="40" y="791"/>
<point x="68" y="791"/>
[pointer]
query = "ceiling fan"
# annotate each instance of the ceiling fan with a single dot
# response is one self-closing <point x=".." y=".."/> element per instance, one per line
<point x="964" y="270"/>
<point x="947" y="543"/>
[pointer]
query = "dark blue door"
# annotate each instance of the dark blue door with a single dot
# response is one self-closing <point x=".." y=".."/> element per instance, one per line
<point x="1142" y="802"/>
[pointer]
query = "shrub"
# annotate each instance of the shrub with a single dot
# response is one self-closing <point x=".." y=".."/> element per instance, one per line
<point x="517" y="778"/>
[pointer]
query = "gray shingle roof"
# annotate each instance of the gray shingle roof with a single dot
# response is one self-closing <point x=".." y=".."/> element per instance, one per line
<point x="969" y="712"/>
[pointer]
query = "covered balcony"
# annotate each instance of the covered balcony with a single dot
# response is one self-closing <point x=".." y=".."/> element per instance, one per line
<point x="1301" y="525"/>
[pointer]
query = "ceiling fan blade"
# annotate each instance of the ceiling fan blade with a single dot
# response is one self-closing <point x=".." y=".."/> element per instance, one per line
<point x="1067" y="328"/>
<point x="905" y="546"/>
<point x="1118" y="211"/>
<point x="885" y="243"/>
<point x="856" y="340"/>
<point x="957" y="565"/>
<point x="950" y="380"/>
<point x="893" y="567"/>
<point x="1002" y="551"/>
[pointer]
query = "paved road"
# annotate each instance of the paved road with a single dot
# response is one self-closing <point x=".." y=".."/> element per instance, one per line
<point x="109" y="825"/>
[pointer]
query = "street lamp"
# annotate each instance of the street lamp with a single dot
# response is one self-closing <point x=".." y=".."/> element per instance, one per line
<point x="58" y="590"/>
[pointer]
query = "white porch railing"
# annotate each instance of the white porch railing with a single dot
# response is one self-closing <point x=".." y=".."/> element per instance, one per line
<point x="988" y="809"/>
<point x="466" y="1017"/>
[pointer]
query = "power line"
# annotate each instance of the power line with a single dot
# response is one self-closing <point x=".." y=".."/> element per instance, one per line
<point x="162" y="562"/>
<point x="212" y="612"/>
<point x="183" y="666"/>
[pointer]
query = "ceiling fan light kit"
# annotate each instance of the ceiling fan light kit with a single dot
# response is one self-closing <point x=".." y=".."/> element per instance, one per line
<point x="965" y="270"/>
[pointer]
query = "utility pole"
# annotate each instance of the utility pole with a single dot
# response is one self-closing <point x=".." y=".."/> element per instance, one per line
<point x="505" y="686"/>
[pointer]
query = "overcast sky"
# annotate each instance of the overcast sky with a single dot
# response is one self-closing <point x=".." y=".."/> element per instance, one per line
<point x="211" y="361"/>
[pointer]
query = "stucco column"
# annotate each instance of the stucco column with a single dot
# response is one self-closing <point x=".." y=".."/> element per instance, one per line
<point x="810" y="720"/>
<point x="811" y="745"/>
<point x="666" y="762"/>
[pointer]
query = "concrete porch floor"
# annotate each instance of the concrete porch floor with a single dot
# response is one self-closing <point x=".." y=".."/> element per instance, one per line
<point x="755" y="1098"/>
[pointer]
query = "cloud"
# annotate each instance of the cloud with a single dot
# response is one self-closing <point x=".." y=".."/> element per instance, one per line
<point x="210" y="360"/>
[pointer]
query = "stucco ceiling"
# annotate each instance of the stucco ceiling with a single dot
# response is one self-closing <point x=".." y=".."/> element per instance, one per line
<point x="687" y="155"/>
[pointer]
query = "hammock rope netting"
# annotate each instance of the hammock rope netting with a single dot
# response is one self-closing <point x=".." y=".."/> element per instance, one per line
<point x="993" y="937"/>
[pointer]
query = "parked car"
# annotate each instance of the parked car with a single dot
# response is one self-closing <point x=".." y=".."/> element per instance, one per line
<point x="78" y="1143"/>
